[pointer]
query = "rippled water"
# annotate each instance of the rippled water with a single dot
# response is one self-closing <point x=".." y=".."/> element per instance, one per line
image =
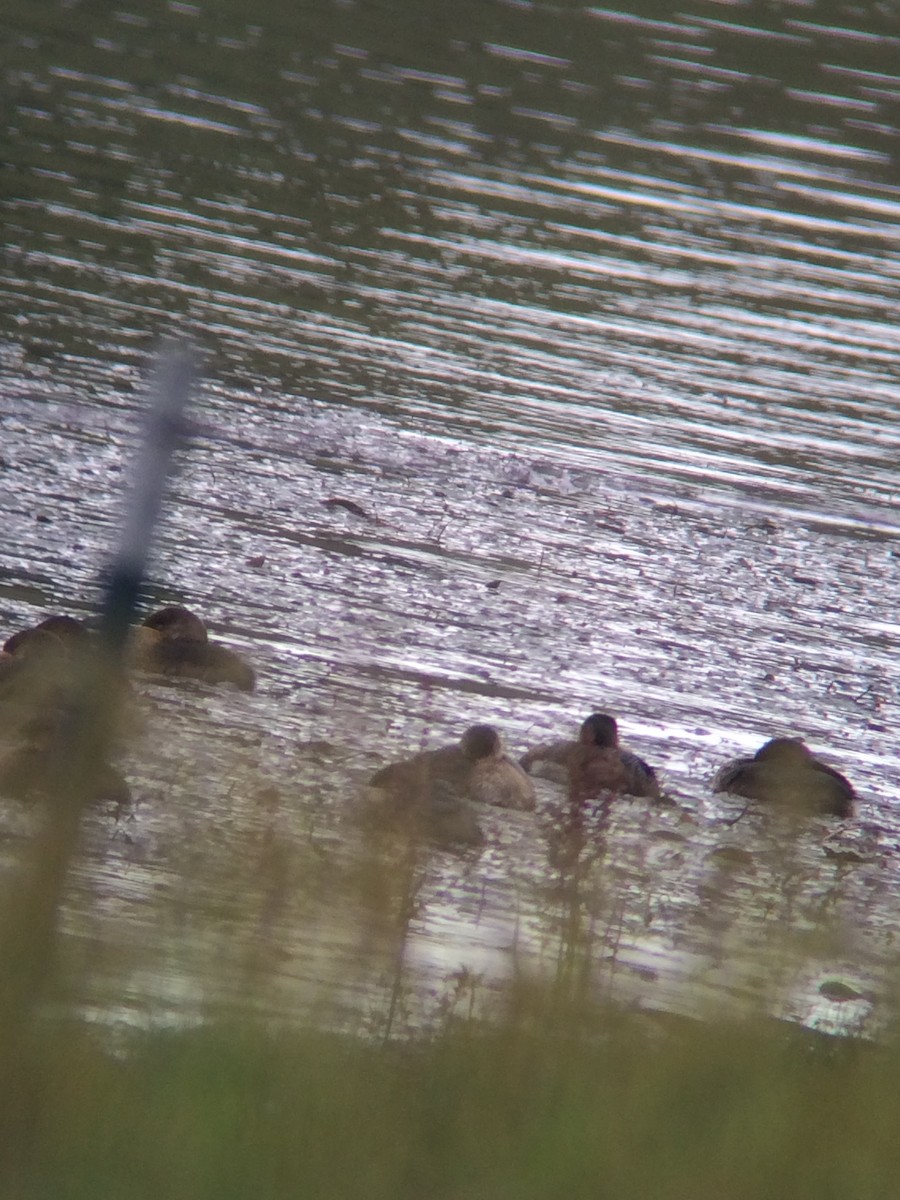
<point x="591" y="313"/>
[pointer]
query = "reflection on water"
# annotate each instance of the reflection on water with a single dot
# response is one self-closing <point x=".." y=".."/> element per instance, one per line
<point x="551" y="366"/>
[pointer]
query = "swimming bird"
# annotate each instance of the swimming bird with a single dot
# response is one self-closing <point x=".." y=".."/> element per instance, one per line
<point x="785" y="772"/>
<point x="174" y="641"/>
<point x="44" y="663"/>
<point x="476" y="767"/>
<point x="58" y="631"/>
<point x="594" y="762"/>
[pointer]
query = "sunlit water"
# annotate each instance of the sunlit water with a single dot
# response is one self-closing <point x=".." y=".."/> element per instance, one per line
<point x="587" y="320"/>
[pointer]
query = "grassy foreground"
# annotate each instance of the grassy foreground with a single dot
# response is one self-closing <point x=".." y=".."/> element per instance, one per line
<point x="546" y="1104"/>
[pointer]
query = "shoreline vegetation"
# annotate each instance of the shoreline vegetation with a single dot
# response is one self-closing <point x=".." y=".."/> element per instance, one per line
<point x="532" y="1088"/>
<point x="538" y="1087"/>
<point x="553" y="1098"/>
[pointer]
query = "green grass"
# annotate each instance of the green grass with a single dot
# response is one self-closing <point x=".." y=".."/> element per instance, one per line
<point x="547" y="1102"/>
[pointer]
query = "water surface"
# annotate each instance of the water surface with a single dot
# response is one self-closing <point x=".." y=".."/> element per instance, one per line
<point x="590" y="312"/>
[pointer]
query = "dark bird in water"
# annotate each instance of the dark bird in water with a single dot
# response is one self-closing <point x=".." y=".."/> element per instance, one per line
<point x="59" y="631"/>
<point x="594" y="762"/>
<point x="423" y="806"/>
<point x="43" y="665"/>
<point x="785" y="772"/>
<point x="432" y="792"/>
<point x="175" y="641"/>
<point x="476" y="767"/>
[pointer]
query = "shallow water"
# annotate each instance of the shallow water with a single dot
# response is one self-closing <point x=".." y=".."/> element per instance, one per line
<point x="591" y="316"/>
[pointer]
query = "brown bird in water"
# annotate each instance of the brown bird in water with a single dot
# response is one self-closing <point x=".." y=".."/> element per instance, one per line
<point x="43" y="665"/>
<point x="476" y="767"/>
<point x="174" y="641"/>
<point x="432" y="792"/>
<point x="58" y="631"/>
<point x="422" y="806"/>
<point x="785" y="772"/>
<point x="594" y="762"/>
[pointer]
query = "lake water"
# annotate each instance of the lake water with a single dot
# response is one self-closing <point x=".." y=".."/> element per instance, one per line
<point x="591" y="313"/>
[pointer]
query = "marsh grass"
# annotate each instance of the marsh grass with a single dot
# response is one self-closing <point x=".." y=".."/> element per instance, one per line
<point x="548" y="1100"/>
<point x="545" y="1088"/>
<point x="540" y="1088"/>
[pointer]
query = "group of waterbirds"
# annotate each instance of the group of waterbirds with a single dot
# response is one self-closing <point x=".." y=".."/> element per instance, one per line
<point x="436" y="789"/>
<point x="44" y="670"/>
<point x="170" y="641"/>
<point x="435" y="785"/>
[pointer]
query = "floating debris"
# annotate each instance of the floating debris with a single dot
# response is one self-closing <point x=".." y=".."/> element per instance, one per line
<point x="840" y="993"/>
<point x="350" y="505"/>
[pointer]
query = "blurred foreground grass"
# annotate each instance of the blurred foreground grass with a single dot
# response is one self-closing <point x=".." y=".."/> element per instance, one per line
<point x="550" y="1101"/>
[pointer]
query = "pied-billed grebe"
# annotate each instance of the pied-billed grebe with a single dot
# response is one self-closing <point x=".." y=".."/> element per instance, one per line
<point x="59" y="631"/>
<point x="784" y="771"/>
<point x="594" y="762"/>
<point x="476" y="767"/>
<point x="174" y="641"/>
<point x="44" y="662"/>
<point x="422" y="806"/>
